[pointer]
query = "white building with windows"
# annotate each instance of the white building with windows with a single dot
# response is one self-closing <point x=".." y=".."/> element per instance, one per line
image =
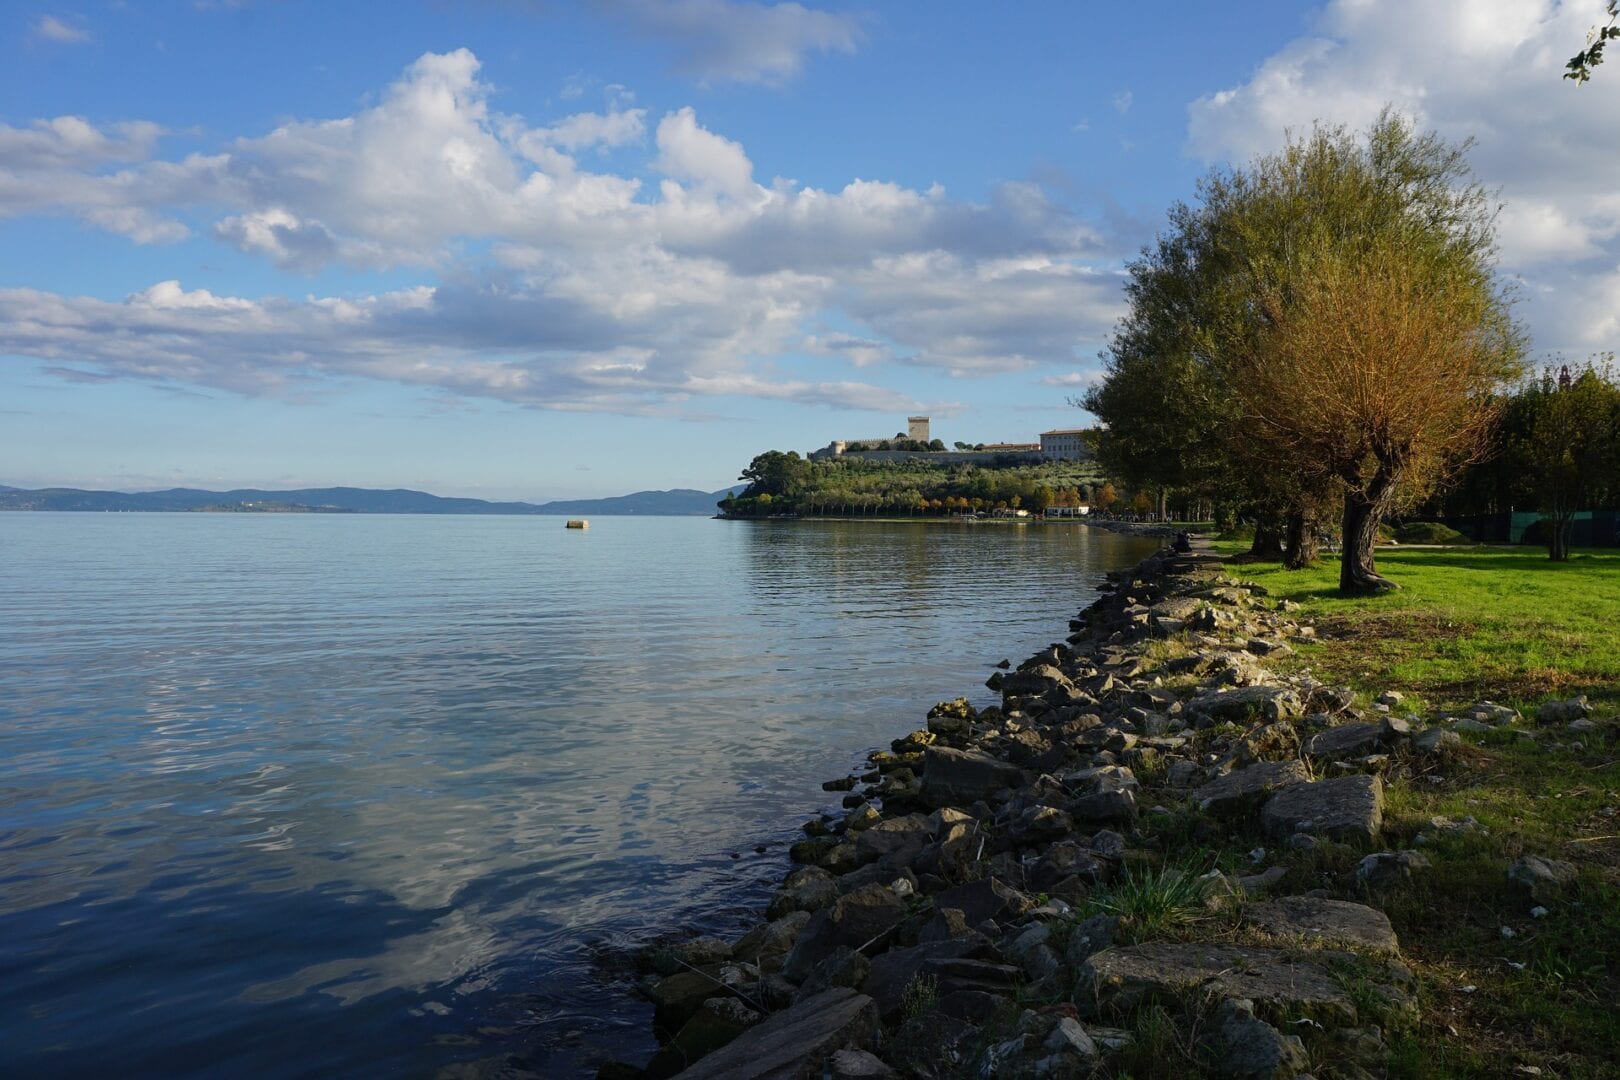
<point x="1068" y="444"/>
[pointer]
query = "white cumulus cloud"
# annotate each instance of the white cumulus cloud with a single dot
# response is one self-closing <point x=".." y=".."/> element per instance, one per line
<point x="585" y="288"/>
<point x="1485" y="70"/>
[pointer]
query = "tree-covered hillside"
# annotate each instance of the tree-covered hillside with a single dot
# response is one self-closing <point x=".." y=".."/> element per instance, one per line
<point x="784" y="483"/>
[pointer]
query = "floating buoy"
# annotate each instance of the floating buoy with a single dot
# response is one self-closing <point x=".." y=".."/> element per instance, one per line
<point x="577" y="523"/>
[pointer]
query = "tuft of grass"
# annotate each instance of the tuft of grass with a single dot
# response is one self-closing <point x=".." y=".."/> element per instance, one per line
<point x="1162" y="1046"/>
<point x="920" y="995"/>
<point x="1149" y="903"/>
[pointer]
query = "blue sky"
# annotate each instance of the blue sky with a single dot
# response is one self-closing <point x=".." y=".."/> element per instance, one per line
<point x="543" y="249"/>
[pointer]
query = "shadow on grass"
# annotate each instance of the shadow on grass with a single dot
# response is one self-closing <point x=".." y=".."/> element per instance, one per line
<point x="1520" y="561"/>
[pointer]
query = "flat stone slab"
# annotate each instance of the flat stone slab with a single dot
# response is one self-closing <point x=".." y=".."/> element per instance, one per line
<point x="1348" y="808"/>
<point x="1241" y="787"/>
<point x="1346" y="740"/>
<point x="796" y="1043"/>
<point x="1281" y="988"/>
<point x="1324" y="922"/>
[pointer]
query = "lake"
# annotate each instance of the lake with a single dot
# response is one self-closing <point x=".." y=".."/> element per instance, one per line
<point x="387" y="796"/>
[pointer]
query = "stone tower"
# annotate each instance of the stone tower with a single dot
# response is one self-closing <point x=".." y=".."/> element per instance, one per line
<point x="917" y="428"/>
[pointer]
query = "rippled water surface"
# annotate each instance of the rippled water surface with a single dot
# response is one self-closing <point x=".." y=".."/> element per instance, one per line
<point x="382" y="796"/>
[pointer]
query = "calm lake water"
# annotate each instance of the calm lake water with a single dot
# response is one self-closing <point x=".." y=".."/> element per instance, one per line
<point x="390" y="796"/>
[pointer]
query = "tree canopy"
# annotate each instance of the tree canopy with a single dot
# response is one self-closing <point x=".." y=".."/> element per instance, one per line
<point x="1325" y="324"/>
<point x="1569" y="446"/>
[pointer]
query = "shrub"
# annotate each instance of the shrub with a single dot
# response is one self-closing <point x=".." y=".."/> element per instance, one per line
<point x="1429" y="532"/>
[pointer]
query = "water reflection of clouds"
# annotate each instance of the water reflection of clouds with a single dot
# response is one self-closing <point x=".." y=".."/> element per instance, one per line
<point x="473" y="750"/>
<point x="450" y="952"/>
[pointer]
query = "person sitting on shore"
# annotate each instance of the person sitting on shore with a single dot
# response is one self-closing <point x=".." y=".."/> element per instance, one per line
<point x="1182" y="542"/>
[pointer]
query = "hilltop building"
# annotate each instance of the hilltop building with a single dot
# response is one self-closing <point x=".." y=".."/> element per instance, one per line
<point x="1065" y="444"/>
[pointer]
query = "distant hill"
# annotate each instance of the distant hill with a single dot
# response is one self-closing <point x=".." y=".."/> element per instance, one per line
<point x="682" y="501"/>
<point x="673" y="503"/>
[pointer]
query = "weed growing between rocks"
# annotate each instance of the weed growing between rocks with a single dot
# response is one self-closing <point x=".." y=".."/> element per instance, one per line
<point x="1149" y="904"/>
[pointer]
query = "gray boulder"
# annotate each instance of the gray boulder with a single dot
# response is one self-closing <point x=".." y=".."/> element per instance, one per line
<point x="856" y="921"/>
<point x="1245" y="705"/>
<point x="1066" y="859"/>
<point x="1034" y="681"/>
<point x="967" y="974"/>
<point x="1385" y="870"/>
<point x="896" y="841"/>
<point x="808" y="888"/>
<point x="1348" y="808"/>
<point x="1245" y="787"/>
<point x="1543" y="880"/>
<point x="677" y="999"/>
<point x="1489" y="712"/>
<point x="1111" y="807"/>
<point x="1437" y="741"/>
<point x="986" y="898"/>
<point x="1251" y="1049"/>
<point x="1563" y="712"/>
<point x="768" y="943"/>
<point x="963" y="777"/>
<point x="717" y="1022"/>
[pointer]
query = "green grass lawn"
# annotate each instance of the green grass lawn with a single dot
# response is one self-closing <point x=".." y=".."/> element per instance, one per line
<point x="1506" y="624"/>
<point x="1511" y="626"/>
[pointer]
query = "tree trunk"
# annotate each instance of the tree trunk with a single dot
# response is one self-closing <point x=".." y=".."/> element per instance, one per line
<point x="1558" y="529"/>
<point x="1363" y="510"/>
<point x="1302" y="541"/>
<point x="1267" y="540"/>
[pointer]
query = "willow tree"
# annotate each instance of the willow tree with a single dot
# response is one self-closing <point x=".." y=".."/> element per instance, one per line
<point x="1324" y="327"/>
<point x="1374" y="328"/>
<point x="1374" y="372"/>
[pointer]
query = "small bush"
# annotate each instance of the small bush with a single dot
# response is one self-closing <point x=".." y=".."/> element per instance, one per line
<point x="1429" y="532"/>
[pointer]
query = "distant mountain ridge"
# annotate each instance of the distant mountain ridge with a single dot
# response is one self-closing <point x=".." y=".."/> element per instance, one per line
<point x="677" y="502"/>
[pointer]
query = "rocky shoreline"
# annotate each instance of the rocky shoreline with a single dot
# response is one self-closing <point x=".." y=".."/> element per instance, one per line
<point x="1067" y="883"/>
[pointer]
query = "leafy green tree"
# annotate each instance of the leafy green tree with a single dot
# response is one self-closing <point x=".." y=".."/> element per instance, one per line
<point x="1326" y="324"/>
<point x="1571" y="451"/>
<point x="775" y="473"/>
